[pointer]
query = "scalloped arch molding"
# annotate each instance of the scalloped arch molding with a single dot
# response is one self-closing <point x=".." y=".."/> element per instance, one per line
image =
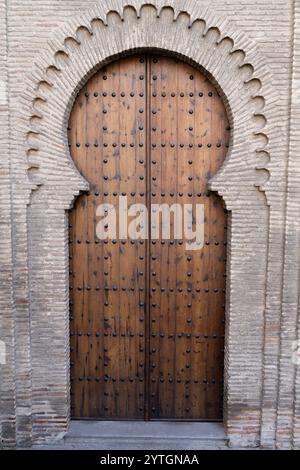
<point x="114" y="29"/>
<point x="110" y="30"/>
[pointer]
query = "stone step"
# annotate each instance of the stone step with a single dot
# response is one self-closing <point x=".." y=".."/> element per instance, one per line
<point x="128" y="435"/>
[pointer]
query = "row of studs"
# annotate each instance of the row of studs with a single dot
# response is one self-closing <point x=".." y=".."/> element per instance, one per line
<point x="163" y="94"/>
<point x="141" y="289"/>
<point x="141" y="379"/>
<point x="154" y="335"/>
<point x="141" y="144"/>
<point x="115" y="289"/>
<point x="117" y="177"/>
<point x="153" y="111"/>
<point x="134" y="193"/>
<point x="141" y="319"/>
<point x="162" y="335"/>
<point x="142" y="194"/>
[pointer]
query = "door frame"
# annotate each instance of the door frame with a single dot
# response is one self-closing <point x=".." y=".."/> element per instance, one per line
<point x="235" y="67"/>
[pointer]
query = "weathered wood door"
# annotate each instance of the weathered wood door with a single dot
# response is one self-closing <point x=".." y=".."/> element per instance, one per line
<point x="147" y="316"/>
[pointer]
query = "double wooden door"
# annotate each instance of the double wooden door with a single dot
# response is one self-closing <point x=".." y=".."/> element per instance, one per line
<point x="147" y="315"/>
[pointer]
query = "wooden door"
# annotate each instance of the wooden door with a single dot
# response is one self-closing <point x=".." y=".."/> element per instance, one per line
<point x="147" y="315"/>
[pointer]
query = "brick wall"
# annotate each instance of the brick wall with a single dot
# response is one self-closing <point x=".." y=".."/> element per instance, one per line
<point x="7" y="398"/>
<point x="26" y="27"/>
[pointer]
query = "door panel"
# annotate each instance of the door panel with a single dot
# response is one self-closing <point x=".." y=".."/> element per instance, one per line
<point x="147" y="316"/>
<point x="188" y="125"/>
<point x="107" y="139"/>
